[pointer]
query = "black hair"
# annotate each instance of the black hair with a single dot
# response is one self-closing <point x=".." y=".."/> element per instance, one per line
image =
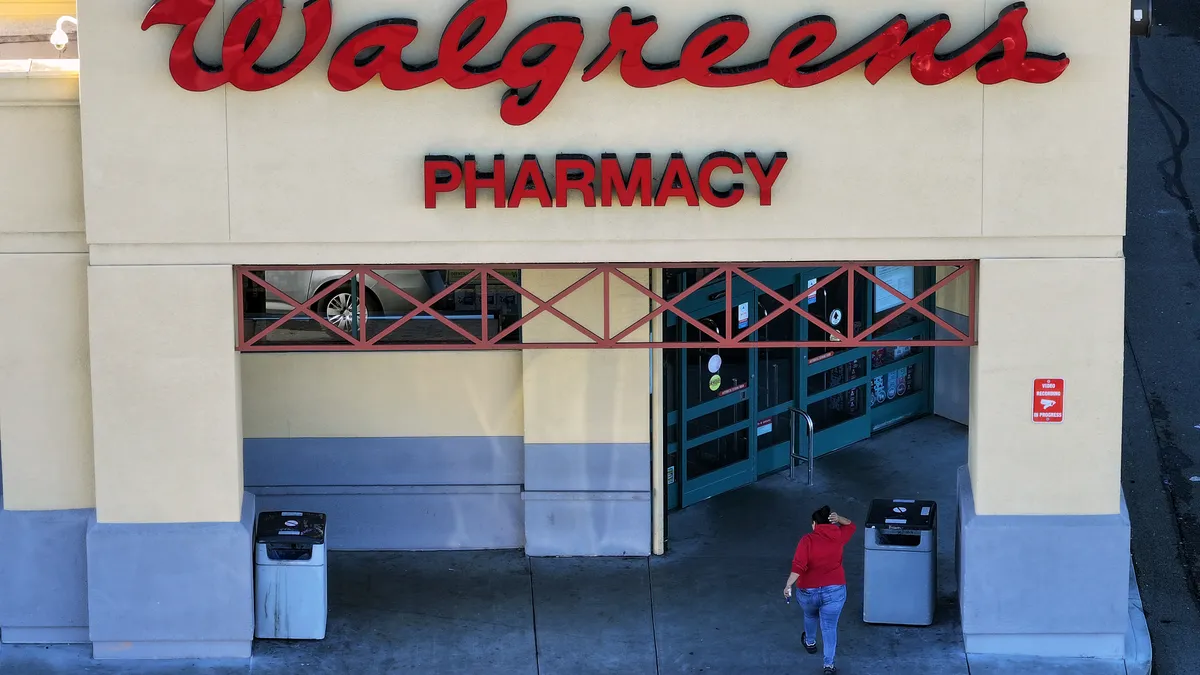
<point x="821" y="515"/>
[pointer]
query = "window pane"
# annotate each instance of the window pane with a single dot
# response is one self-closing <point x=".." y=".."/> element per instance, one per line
<point x="829" y="305"/>
<point x="718" y="419"/>
<point x="711" y="372"/>
<point x="263" y="308"/>
<point x="896" y="384"/>
<point x="775" y="365"/>
<point x="839" y="408"/>
<point x="885" y="356"/>
<point x="676" y="280"/>
<point x="907" y="281"/>
<point x="902" y="279"/>
<point x="774" y="430"/>
<point x="847" y="372"/>
<point x="718" y="454"/>
<point x="384" y="297"/>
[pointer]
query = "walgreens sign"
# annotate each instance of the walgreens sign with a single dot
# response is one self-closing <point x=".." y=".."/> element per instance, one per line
<point x="541" y="57"/>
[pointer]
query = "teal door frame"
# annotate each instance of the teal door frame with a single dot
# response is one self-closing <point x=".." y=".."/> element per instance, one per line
<point x="833" y="384"/>
<point x="727" y="419"/>
<point x="755" y="424"/>
<point x="884" y="386"/>
<point x="865" y="382"/>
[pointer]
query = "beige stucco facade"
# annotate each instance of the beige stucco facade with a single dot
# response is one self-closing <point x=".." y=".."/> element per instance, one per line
<point x="46" y="392"/>
<point x="231" y="190"/>
<point x="131" y="200"/>
<point x="895" y="170"/>
<point x="37" y="9"/>
<point x="166" y="403"/>
<point x="1039" y="306"/>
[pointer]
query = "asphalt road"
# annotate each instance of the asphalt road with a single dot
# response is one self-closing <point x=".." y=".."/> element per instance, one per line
<point x="1162" y="370"/>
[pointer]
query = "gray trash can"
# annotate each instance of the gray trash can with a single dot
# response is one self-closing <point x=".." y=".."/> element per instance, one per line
<point x="291" y="588"/>
<point x="900" y="571"/>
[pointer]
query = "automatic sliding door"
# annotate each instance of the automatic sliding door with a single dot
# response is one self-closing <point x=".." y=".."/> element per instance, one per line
<point x="835" y="380"/>
<point x="715" y="432"/>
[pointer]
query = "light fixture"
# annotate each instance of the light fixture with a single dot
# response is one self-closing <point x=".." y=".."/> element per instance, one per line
<point x="59" y="37"/>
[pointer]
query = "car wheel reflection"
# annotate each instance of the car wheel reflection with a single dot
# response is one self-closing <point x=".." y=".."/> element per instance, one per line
<point x="339" y="310"/>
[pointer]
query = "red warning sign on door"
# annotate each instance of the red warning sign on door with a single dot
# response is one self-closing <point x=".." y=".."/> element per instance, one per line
<point x="1048" y="401"/>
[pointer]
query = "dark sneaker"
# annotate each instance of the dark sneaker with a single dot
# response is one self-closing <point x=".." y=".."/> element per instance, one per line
<point x="810" y="648"/>
<point x="830" y="670"/>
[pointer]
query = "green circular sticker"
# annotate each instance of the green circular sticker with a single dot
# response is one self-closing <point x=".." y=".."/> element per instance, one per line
<point x="715" y="383"/>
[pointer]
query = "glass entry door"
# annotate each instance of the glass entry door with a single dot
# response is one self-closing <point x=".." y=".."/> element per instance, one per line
<point x="728" y="418"/>
<point x="835" y="380"/>
<point x="716" y="428"/>
<point x="727" y="410"/>
<point x="776" y="376"/>
<point x="852" y="393"/>
<point x="900" y="376"/>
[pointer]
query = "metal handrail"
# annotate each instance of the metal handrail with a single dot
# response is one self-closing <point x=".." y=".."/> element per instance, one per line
<point x="796" y="412"/>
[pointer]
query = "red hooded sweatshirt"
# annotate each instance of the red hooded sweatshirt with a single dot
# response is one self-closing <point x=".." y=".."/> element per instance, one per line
<point x="818" y="558"/>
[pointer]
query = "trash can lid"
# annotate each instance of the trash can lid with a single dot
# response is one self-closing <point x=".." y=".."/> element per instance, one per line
<point x="902" y="514"/>
<point x="296" y="527"/>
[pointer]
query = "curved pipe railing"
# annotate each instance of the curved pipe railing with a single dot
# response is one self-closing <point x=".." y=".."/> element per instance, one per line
<point x="795" y="456"/>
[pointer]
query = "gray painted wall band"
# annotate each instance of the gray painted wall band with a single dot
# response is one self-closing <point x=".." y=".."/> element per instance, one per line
<point x="952" y="372"/>
<point x="414" y="521"/>
<point x="177" y="590"/>
<point x="289" y="490"/>
<point x="1051" y="646"/>
<point x="587" y="466"/>
<point x="586" y="496"/>
<point x="41" y="635"/>
<point x="580" y="526"/>
<point x="43" y="575"/>
<point x="459" y="460"/>
<point x="173" y="649"/>
<point x="1025" y="581"/>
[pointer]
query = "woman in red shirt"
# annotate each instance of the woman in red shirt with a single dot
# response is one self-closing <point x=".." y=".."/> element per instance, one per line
<point x="818" y="575"/>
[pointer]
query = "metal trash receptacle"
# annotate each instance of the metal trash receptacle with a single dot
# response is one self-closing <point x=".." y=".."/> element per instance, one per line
<point x="900" y="570"/>
<point x="291" y="586"/>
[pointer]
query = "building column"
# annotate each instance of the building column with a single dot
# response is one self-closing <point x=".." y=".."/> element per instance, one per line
<point x="952" y="365"/>
<point x="170" y="569"/>
<point x="46" y="436"/>
<point x="658" y="429"/>
<point x="1043" y="549"/>
<point x="587" y="424"/>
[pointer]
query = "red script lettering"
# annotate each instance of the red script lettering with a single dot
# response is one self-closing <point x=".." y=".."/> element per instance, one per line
<point x="537" y="62"/>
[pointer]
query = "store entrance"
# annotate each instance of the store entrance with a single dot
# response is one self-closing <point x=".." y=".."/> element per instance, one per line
<point x="728" y="419"/>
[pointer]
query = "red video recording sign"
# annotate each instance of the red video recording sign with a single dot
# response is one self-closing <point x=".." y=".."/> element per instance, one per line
<point x="1048" y="401"/>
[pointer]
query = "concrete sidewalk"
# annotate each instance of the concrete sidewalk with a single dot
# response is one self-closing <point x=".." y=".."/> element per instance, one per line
<point x="731" y="555"/>
<point x="712" y="605"/>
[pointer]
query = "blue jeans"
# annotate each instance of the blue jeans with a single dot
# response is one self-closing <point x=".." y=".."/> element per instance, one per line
<point x="825" y="604"/>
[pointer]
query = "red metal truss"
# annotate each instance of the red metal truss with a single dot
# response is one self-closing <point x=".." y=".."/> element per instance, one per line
<point x="610" y="337"/>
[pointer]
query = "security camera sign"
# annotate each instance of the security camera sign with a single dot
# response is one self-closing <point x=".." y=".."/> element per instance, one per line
<point x="1048" y="401"/>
